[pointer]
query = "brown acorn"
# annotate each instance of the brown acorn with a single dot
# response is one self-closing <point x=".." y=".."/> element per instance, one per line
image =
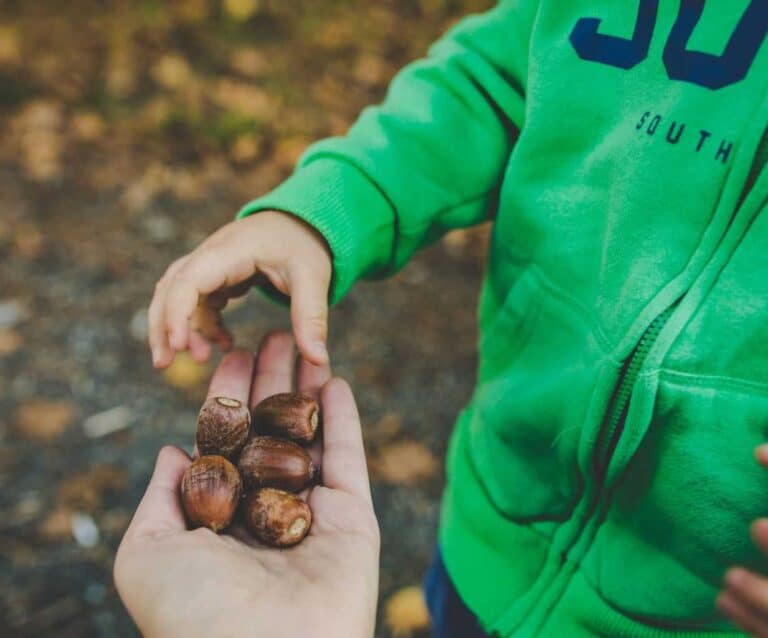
<point x="210" y="492"/>
<point x="267" y="461"/>
<point x="290" y="414"/>
<point x="223" y="426"/>
<point x="276" y="517"/>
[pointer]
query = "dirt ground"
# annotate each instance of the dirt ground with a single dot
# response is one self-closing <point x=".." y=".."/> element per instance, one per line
<point x="129" y="131"/>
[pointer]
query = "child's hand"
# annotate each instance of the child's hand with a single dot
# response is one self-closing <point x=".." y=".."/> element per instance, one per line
<point x="185" y="312"/>
<point x="745" y="597"/>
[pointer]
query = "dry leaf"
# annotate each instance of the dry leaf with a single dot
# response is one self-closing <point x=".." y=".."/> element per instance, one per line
<point x="10" y="342"/>
<point x="172" y="71"/>
<point x="39" y="127"/>
<point x="44" y="420"/>
<point x="288" y="150"/>
<point x="191" y="11"/>
<point x="85" y="490"/>
<point x="57" y="525"/>
<point x="28" y="241"/>
<point x="405" y="612"/>
<point x="385" y="429"/>
<point x="241" y="10"/>
<point x="245" y="99"/>
<point x="87" y="126"/>
<point x="406" y="462"/>
<point x="249" y="61"/>
<point x="246" y="148"/>
<point x="185" y="373"/>
<point x="371" y="69"/>
<point x="10" y="46"/>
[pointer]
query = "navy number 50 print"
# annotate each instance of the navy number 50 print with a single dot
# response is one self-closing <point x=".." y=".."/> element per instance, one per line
<point x="704" y="69"/>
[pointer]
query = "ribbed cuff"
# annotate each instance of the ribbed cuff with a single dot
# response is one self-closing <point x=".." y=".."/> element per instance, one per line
<point x="346" y="208"/>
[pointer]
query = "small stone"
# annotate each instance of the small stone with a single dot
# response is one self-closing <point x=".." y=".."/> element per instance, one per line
<point x="84" y="529"/>
<point x="160" y="228"/>
<point x="12" y="312"/>
<point x="95" y="593"/>
<point x="107" y="422"/>
<point x="140" y="325"/>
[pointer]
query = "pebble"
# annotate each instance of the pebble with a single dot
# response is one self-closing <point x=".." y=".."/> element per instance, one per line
<point x="160" y="228"/>
<point x="12" y="313"/>
<point x="140" y="325"/>
<point x="107" y="422"/>
<point x="85" y="530"/>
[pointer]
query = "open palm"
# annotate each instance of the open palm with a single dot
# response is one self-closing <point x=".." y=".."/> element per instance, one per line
<point x="176" y="582"/>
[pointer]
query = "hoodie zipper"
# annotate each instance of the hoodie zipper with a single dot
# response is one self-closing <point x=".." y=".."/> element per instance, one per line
<point x="616" y="415"/>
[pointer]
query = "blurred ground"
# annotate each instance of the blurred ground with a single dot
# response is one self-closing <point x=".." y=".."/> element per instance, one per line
<point x="129" y="131"/>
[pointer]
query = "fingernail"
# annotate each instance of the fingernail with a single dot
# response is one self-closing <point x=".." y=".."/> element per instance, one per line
<point x="320" y="350"/>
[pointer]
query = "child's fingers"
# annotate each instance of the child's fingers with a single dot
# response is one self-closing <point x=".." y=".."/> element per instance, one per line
<point x="738" y="611"/>
<point x="200" y="275"/>
<point x="751" y="590"/>
<point x="309" y="312"/>
<point x="199" y="348"/>
<point x="162" y="355"/>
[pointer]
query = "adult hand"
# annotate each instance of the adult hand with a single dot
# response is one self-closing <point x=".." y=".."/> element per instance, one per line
<point x="176" y="582"/>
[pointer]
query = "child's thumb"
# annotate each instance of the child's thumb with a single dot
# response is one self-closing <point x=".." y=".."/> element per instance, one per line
<point x="309" y="314"/>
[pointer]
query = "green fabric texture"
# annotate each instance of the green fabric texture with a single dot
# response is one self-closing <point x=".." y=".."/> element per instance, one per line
<point x="601" y="479"/>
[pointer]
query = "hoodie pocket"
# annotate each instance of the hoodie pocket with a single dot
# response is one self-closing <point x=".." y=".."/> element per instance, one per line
<point x="538" y="364"/>
<point x="682" y="511"/>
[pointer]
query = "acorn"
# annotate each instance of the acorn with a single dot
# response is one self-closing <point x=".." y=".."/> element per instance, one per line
<point x="267" y="461"/>
<point x="291" y="414"/>
<point x="223" y="426"/>
<point x="210" y="492"/>
<point x="276" y="517"/>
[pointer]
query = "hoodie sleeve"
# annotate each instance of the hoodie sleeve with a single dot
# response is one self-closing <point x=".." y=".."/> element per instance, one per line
<point x="427" y="160"/>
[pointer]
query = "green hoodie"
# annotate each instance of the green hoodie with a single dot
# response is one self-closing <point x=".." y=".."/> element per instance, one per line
<point x="601" y="479"/>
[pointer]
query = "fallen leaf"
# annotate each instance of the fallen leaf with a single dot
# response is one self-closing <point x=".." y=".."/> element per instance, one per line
<point x="87" y="126"/>
<point x="85" y="490"/>
<point x="172" y="71"/>
<point x="44" y="420"/>
<point x="405" y="462"/>
<point x="245" y="99"/>
<point x="107" y="422"/>
<point x="246" y="148"/>
<point x="185" y="373"/>
<point x="10" y="342"/>
<point x="405" y="612"/>
<point x="241" y="10"/>
<point x="192" y="11"/>
<point x="57" y="525"/>
<point x="288" y="150"/>
<point x="249" y="61"/>
<point x="28" y="241"/>
<point x="10" y="47"/>
<point x="385" y="429"/>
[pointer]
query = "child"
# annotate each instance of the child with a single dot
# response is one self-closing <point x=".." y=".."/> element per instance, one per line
<point x="600" y="480"/>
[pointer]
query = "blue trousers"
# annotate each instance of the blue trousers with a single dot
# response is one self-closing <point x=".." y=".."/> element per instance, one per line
<point x="450" y="616"/>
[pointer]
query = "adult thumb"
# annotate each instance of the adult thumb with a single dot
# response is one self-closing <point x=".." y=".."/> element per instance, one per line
<point x="309" y="313"/>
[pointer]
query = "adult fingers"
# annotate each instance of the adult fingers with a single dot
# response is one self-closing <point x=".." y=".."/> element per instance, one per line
<point x="232" y="378"/>
<point x="274" y="367"/>
<point x="160" y="508"/>
<point x="344" y="466"/>
<point x="309" y="312"/>
<point x="310" y="378"/>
